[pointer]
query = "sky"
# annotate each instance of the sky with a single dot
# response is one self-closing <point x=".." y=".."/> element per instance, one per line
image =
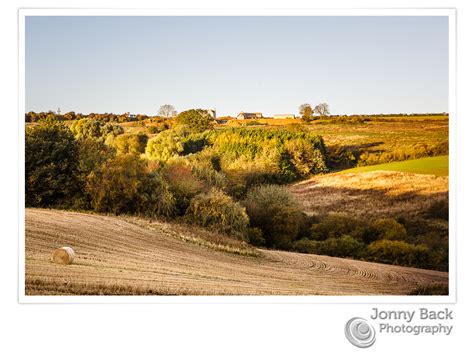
<point x="358" y="65"/>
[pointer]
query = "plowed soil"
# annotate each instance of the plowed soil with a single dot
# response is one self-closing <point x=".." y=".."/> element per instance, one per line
<point x="117" y="256"/>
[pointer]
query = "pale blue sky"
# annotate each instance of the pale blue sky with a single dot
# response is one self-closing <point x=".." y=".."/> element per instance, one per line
<point x="267" y="64"/>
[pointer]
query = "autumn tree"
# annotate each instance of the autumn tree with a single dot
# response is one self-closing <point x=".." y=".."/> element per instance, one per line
<point x="306" y="112"/>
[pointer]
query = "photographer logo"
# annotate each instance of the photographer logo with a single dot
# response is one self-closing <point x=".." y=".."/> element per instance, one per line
<point x="360" y="333"/>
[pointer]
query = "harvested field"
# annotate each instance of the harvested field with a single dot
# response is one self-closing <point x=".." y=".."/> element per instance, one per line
<point x="128" y="256"/>
<point x="371" y="194"/>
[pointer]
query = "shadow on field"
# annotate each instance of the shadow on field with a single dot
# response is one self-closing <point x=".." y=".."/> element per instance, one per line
<point x="319" y="200"/>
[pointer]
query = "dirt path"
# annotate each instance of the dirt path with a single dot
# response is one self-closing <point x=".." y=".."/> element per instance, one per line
<point x="115" y="256"/>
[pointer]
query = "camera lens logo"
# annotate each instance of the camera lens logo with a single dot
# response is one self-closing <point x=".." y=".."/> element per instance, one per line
<point x="360" y="333"/>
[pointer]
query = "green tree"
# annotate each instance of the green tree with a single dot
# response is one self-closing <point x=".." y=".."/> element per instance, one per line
<point x="124" y="185"/>
<point x="304" y="156"/>
<point x="51" y="164"/>
<point x="217" y="211"/>
<point x="196" y="120"/>
<point x="389" y="228"/>
<point x="91" y="128"/>
<point x="273" y="210"/>
<point x="131" y="143"/>
<point x="167" y="144"/>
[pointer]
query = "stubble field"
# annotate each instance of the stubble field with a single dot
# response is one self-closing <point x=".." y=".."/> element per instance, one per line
<point x="131" y="256"/>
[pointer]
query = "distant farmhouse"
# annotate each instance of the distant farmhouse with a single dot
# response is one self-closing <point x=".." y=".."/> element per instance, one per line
<point x="282" y="116"/>
<point x="212" y="113"/>
<point x="249" y="115"/>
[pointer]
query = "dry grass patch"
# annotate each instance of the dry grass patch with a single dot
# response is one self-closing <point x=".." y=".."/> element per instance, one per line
<point x="372" y="194"/>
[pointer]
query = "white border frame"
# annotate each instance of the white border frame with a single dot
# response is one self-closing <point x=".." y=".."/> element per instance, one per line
<point x="451" y="298"/>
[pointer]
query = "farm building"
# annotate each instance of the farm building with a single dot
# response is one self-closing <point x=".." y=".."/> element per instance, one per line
<point x="249" y="115"/>
<point x="283" y="116"/>
<point x="212" y="113"/>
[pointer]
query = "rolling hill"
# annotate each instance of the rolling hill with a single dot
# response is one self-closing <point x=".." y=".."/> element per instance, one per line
<point x="131" y="256"/>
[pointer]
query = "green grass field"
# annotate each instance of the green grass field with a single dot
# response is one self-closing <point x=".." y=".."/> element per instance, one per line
<point x="433" y="166"/>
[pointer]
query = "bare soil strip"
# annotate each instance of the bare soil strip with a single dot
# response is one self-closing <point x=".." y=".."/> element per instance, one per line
<point x="115" y="256"/>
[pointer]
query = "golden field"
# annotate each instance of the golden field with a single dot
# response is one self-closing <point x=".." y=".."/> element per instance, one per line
<point x="371" y="194"/>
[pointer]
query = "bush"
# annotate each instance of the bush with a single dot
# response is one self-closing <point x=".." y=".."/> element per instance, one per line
<point x="196" y="120"/>
<point x="206" y="166"/>
<point x="276" y="213"/>
<point x="90" y="128"/>
<point x="389" y="228"/>
<point x="124" y="185"/>
<point x="335" y="226"/>
<point x="131" y="143"/>
<point x="255" y="237"/>
<point x="184" y="185"/>
<point x="399" y="252"/>
<point x="305" y="159"/>
<point x="92" y="154"/>
<point x="156" y="129"/>
<point x="345" y="246"/>
<point x="266" y="154"/>
<point x="166" y="144"/>
<point x="218" y="212"/>
<point x="439" y="210"/>
<point x="51" y="165"/>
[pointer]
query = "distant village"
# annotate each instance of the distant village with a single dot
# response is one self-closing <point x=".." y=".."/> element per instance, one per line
<point x="246" y="115"/>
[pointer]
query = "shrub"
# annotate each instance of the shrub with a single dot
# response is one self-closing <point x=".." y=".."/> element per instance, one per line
<point x="276" y="213"/>
<point x="305" y="159"/>
<point x="155" y="129"/>
<point x="90" y="128"/>
<point x="91" y="154"/>
<point x="389" y="228"/>
<point x="255" y="237"/>
<point x="124" y="185"/>
<point x="206" y="166"/>
<point x="184" y="185"/>
<point x="434" y="289"/>
<point x="218" y="212"/>
<point x="439" y="210"/>
<point x="306" y="245"/>
<point x="399" y="252"/>
<point x="196" y="120"/>
<point x="336" y="225"/>
<point x="131" y="143"/>
<point x="51" y="164"/>
<point x="345" y="246"/>
<point x="166" y="144"/>
<point x="194" y="143"/>
<point x="261" y="153"/>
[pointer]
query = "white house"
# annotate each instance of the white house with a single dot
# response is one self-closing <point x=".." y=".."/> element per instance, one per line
<point x="249" y="115"/>
<point x="282" y="116"/>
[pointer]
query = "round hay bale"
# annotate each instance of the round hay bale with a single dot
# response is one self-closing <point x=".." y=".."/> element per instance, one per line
<point x="64" y="255"/>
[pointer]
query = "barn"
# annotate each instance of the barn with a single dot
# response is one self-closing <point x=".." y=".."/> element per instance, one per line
<point x="249" y="115"/>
